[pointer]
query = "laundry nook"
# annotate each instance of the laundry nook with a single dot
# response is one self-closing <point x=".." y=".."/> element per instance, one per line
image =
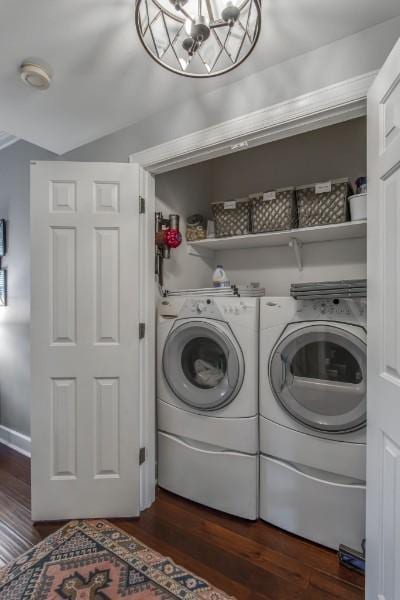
<point x="261" y="373"/>
<point x="199" y="300"/>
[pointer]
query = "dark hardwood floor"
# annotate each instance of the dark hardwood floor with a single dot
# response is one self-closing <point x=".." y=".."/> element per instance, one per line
<point x="247" y="560"/>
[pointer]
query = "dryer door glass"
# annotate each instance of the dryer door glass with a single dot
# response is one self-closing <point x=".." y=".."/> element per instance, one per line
<point x="203" y="365"/>
<point x="318" y="374"/>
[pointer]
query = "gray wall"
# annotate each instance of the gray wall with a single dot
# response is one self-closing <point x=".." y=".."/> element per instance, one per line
<point x="14" y="318"/>
<point x="328" y="153"/>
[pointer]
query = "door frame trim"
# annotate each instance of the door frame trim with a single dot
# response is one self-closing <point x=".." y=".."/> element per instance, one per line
<point x="333" y="104"/>
<point x="147" y="346"/>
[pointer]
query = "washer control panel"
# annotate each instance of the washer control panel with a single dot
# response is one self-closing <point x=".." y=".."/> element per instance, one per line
<point x="206" y="307"/>
<point x="209" y="308"/>
<point x="201" y="307"/>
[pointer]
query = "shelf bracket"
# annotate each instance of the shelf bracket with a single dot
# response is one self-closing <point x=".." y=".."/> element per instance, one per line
<point x="296" y="247"/>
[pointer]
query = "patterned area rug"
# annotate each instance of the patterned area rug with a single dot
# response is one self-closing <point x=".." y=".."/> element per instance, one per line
<point x="93" y="560"/>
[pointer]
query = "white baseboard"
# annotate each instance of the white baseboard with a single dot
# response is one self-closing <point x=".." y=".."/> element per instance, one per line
<point x="15" y="440"/>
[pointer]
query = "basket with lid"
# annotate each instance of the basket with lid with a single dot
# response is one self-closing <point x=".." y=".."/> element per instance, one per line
<point x="231" y="217"/>
<point x="323" y="203"/>
<point x="274" y="210"/>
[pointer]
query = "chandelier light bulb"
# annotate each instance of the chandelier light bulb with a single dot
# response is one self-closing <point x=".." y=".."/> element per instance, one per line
<point x="187" y="44"/>
<point x="178" y="4"/>
<point x="230" y="14"/>
<point x="200" y="30"/>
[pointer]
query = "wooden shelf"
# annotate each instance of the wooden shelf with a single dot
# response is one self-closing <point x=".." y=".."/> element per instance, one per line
<point x="307" y="235"/>
<point x="294" y="238"/>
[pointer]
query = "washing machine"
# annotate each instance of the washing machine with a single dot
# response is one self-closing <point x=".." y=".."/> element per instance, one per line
<point x="313" y="418"/>
<point x="207" y="401"/>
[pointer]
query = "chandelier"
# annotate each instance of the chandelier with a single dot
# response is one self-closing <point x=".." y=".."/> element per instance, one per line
<point x="198" y="38"/>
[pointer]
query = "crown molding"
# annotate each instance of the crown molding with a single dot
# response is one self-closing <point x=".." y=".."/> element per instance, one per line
<point x="6" y="139"/>
<point x="329" y="105"/>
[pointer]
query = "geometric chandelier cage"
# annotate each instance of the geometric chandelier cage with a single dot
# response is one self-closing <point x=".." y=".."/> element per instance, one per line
<point x="198" y="38"/>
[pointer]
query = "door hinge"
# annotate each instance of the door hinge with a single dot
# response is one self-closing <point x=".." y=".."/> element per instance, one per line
<point x="142" y="330"/>
<point x="142" y="456"/>
<point x="142" y="205"/>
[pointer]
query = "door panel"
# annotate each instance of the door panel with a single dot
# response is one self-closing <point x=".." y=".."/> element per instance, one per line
<point x="390" y="518"/>
<point x="107" y="433"/>
<point x="390" y="190"/>
<point x="383" y="445"/>
<point x="84" y="342"/>
<point x="63" y="408"/>
<point x="63" y="285"/>
<point x="106" y="281"/>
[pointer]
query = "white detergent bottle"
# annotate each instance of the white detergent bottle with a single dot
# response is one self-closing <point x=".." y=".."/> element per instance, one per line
<point x="219" y="278"/>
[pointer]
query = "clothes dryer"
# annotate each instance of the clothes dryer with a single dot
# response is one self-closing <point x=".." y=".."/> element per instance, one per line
<point x="313" y="417"/>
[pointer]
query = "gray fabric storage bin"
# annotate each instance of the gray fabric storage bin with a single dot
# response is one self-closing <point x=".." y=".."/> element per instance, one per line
<point x="274" y="210"/>
<point x="231" y="217"/>
<point x="323" y="203"/>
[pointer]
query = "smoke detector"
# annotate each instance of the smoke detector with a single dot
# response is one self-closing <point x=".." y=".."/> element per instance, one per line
<point x="35" y="75"/>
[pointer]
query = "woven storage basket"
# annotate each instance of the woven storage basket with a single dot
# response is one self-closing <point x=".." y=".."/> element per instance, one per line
<point x="323" y="203"/>
<point x="273" y="211"/>
<point x="232" y="217"/>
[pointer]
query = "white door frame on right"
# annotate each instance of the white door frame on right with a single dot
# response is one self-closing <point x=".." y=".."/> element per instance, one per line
<point x="383" y="434"/>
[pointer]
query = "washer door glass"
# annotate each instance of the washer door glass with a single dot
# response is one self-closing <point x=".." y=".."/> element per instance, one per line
<point x="318" y="374"/>
<point x="203" y="365"/>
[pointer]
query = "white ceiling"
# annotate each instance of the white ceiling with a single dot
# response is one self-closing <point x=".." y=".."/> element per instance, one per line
<point x="104" y="80"/>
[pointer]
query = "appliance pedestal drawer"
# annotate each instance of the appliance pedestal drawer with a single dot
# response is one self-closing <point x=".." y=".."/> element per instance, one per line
<point x="318" y="506"/>
<point x="221" y="479"/>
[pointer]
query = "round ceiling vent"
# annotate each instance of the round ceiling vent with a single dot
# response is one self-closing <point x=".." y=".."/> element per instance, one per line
<point x="35" y="76"/>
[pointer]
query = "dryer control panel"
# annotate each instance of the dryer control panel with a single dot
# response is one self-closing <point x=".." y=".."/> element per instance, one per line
<point x="337" y="309"/>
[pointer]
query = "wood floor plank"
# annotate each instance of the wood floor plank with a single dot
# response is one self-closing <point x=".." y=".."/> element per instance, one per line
<point x="21" y="468"/>
<point x="212" y="575"/>
<point x="239" y="569"/>
<point x="16" y="489"/>
<point x="249" y="560"/>
<point x="305" y="552"/>
<point x="321" y="587"/>
<point x="240" y="545"/>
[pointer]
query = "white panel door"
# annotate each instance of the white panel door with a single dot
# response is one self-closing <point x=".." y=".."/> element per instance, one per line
<point x="84" y="340"/>
<point x="383" y="444"/>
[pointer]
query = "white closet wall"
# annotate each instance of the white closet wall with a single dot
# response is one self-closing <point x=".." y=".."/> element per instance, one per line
<point x="275" y="268"/>
<point x="185" y="192"/>
<point x="328" y="153"/>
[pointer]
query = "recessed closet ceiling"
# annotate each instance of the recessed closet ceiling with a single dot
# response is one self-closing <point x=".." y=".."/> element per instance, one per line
<point x="103" y="80"/>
